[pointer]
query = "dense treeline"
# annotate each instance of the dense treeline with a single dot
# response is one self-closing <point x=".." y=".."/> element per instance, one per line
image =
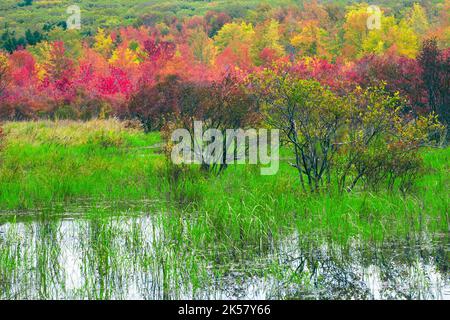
<point x="62" y="73"/>
<point x="136" y="71"/>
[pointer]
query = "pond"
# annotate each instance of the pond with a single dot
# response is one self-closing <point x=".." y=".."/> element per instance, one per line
<point x="134" y="256"/>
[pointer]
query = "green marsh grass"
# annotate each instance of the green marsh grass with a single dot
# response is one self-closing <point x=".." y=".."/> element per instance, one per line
<point x="46" y="164"/>
<point x="49" y="162"/>
<point x="204" y="229"/>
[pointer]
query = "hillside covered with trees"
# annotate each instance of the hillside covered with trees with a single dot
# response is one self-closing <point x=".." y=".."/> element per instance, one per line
<point x="123" y="47"/>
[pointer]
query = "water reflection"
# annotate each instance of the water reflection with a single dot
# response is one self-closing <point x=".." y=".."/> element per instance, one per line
<point x="117" y="257"/>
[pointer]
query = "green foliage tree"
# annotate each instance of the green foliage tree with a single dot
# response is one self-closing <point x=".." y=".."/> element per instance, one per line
<point x="361" y="137"/>
<point x="9" y="42"/>
<point x="310" y="118"/>
<point x="25" y="3"/>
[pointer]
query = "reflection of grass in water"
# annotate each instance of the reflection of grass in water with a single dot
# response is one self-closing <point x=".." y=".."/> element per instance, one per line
<point x="8" y="259"/>
<point x="118" y="253"/>
<point x="205" y="227"/>
<point x="47" y="251"/>
<point x="115" y="252"/>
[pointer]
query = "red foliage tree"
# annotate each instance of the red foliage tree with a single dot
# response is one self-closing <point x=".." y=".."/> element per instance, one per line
<point x="21" y="97"/>
<point x="400" y="74"/>
<point x="153" y="104"/>
<point x="215" y="21"/>
<point x="435" y="64"/>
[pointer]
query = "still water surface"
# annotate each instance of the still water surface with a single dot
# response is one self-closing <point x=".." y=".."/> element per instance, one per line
<point x="130" y="257"/>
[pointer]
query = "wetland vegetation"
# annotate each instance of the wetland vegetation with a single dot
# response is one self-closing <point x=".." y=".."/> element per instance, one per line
<point x="134" y="228"/>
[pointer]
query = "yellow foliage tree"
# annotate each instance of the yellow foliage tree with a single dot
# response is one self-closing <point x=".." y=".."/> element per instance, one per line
<point x="3" y="73"/>
<point x="41" y="52"/>
<point x="234" y="36"/>
<point x="311" y="39"/>
<point x="103" y="43"/>
<point x="267" y="35"/>
<point x="391" y="36"/>
<point x="202" y="46"/>
<point x="417" y="19"/>
<point x="124" y="57"/>
<point x="355" y="30"/>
